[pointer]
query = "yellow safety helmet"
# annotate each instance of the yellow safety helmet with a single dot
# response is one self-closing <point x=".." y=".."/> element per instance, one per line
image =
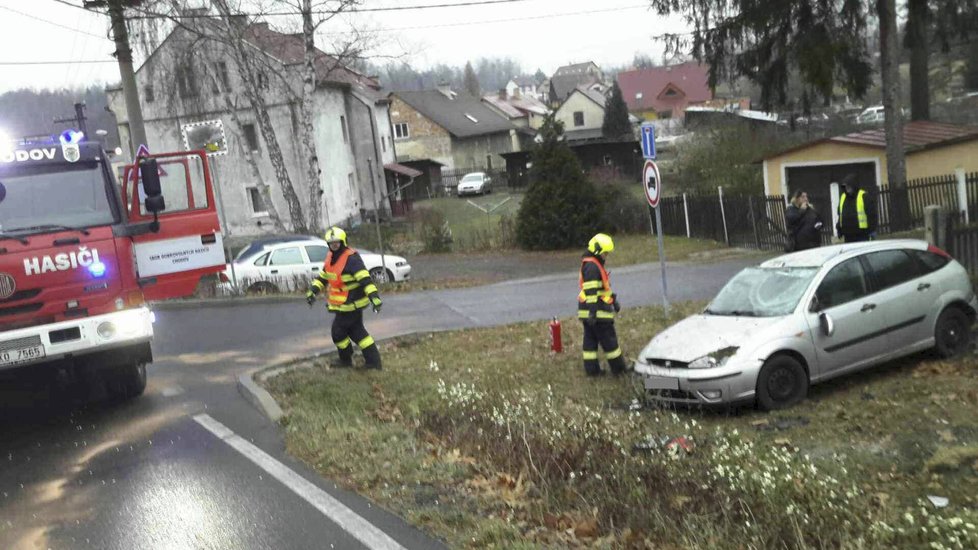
<point x="335" y="234"/>
<point x="601" y="244"/>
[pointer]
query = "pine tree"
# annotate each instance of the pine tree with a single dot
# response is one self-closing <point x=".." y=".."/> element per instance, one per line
<point x="471" y="81"/>
<point x="562" y="208"/>
<point x="616" y="124"/>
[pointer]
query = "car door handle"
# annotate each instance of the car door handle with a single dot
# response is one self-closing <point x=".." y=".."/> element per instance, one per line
<point x="923" y="286"/>
<point x="274" y="271"/>
<point x="868" y="307"/>
<point x="315" y="269"/>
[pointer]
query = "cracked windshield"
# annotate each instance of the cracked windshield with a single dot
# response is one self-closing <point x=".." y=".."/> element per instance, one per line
<point x="424" y="274"/>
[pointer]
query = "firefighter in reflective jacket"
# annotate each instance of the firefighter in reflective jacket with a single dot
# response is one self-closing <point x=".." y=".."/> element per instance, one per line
<point x="596" y="308"/>
<point x="349" y="291"/>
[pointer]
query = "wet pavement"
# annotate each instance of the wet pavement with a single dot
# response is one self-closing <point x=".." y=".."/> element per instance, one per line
<point x="147" y="474"/>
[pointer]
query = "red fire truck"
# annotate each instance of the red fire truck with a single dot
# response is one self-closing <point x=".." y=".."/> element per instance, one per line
<point x="81" y="257"/>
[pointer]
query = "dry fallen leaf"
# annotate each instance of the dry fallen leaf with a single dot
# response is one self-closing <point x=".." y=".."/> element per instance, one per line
<point x="587" y="528"/>
<point x="946" y="436"/>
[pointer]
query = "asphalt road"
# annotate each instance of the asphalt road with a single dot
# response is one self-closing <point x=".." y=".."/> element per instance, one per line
<point x="147" y="474"/>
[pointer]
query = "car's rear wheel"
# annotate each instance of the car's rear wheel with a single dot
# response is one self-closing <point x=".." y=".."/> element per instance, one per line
<point x="262" y="287"/>
<point x="952" y="334"/>
<point x="782" y="383"/>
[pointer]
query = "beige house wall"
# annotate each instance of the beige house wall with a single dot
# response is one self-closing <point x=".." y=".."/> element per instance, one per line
<point x="593" y="113"/>
<point x="426" y="140"/>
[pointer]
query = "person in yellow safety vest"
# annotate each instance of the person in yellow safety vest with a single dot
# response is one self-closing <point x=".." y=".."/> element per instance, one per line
<point x="857" y="213"/>
<point x="349" y="291"/>
<point x="596" y="308"/>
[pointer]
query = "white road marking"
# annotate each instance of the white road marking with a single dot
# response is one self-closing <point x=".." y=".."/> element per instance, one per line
<point x="172" y="391"/>
<point x="346" y="519"/>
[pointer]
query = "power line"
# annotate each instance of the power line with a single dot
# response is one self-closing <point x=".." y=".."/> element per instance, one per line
<point x="150" y="15"/>
<point x="66" y="62"/>
<point x="492" y="21"/>
<point x="34" y="17"/>
<point x="65" y="2"/>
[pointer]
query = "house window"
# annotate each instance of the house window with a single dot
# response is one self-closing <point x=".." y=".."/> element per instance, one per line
<point x="346" y="137"/>
<point x="251" y="137"/>
<point x="148" y="94"/>
<point x="353" y="186"/>
<point x="608" y="160"/>
<point x="257" y="204"/>
<point x="638" y="95"/>
<point x="472" y="118"/>
<point x="401" y="131"/>
<point x="262" y="81"/>
<point x="578" y="118"/>
<point x="383" y="143"/>
<point x="186" y="84"/>
<point x="670" y="92"/>
<point x="488" y="162"/>
<point x="222" y="74"/>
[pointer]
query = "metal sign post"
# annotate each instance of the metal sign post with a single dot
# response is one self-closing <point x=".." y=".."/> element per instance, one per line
<point x="652" y="182"/>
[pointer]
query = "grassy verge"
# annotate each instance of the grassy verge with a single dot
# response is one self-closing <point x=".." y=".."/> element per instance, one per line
<point x="508" y="446"/>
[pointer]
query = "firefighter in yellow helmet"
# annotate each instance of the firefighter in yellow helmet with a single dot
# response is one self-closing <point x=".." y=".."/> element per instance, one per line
<point x="349" y="291"/>
<point x="596" y="308"/>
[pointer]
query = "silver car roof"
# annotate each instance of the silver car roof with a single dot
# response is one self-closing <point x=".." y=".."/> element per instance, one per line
<point x="818" y="257"/>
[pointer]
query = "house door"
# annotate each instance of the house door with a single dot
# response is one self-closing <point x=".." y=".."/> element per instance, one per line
<point x="816" y="181"/>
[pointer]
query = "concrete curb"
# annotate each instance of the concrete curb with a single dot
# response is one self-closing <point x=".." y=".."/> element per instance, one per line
<point x="250" y="389"/>
<point x="224" y="302"/>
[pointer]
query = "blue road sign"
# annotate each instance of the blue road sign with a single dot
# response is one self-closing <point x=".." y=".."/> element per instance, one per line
<point x="648" y="140"/>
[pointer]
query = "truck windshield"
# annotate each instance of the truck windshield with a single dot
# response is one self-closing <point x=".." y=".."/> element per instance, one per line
<point x="41" y="196"/>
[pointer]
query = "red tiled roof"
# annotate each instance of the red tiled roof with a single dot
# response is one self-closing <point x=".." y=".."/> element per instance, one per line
<point x="290" y="49"/>
<point x="918" y="135"/>
<point x="690" y="78"/>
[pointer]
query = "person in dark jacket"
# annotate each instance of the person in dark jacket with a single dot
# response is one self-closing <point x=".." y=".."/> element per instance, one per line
<point x="857" y="213"/>
<point x="804" y="224"/>
<point x="596" y="308"/>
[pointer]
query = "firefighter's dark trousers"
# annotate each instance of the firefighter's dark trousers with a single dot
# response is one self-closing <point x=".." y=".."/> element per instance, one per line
<point x="603" y="333"/>
<point x="347" y="330"/>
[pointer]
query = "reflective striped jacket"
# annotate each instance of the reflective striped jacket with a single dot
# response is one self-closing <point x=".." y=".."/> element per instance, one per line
<point x="347" y="280"/>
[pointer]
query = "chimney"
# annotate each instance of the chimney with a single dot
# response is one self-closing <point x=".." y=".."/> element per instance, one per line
<point x="502" y="94"/>
<point x="446" y="89"/>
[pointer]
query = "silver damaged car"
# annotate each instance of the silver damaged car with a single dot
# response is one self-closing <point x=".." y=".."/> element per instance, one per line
<point x="806" y="317"/>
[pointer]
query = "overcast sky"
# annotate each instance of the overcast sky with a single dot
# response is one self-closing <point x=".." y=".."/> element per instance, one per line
<point x="538" y="33"/>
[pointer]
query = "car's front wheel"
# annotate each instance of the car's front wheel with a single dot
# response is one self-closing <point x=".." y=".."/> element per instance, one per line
<point x="782" y="383"/>
<point x="381" y="275"/>
<point x="952" y="334"/>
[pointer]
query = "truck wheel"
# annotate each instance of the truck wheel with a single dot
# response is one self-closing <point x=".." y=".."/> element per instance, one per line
<point x="129" y="381"/>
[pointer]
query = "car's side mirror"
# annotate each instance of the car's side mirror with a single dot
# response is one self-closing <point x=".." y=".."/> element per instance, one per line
<point x="149" y="175"/>
<point x="826" y="324"/>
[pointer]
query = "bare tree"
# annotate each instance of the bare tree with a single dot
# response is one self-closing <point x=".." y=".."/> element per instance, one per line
<point x="896" y="167"/>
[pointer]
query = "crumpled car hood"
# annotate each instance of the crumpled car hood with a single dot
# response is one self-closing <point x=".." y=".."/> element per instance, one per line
<point x="700" y="335"/>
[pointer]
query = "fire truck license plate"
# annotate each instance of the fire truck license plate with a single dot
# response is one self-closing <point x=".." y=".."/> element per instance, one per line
<point x="21" y="355"/>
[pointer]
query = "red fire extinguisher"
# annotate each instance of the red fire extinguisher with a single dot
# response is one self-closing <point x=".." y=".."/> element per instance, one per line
<point x="556" y="343"/>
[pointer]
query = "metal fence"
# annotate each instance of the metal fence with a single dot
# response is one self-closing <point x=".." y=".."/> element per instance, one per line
<point x="451" y="176"/>
<point x="759" y="222"/>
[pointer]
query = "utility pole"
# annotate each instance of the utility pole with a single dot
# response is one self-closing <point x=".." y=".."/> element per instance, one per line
<point x="79" y="118"/>
<point x="123" y="53"/>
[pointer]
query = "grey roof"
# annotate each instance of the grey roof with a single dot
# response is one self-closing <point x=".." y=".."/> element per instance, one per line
<point x="453" y="114"/>
<point x="524" y="81"/>
<point x="575" y="68"/>
<point x="583" y="135"/>
<point x="595" y="95"/>
<point x="564" y="85"/>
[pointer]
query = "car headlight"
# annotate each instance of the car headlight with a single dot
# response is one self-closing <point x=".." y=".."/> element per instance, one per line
<point x="400" y="264"/>
<point x="708" y="362"/>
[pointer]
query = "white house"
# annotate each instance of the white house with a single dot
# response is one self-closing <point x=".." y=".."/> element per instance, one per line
<point x="192" y="78"/>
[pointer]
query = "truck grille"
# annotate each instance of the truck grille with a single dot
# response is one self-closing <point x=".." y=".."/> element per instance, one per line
<point x="20" y="343"/>
<point x="17" y="310"/>
<point x="22" y="295"/>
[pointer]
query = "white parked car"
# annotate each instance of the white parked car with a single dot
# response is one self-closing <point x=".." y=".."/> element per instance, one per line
<point x="476" y="183"/>
<point x="810" y="316"/>
<point x="871" y="115"/>
<point x="289" y="263"/>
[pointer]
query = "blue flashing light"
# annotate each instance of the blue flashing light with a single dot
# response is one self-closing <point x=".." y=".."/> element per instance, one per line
<point x="71" y="137"/>
<point x="97" y="269"/>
